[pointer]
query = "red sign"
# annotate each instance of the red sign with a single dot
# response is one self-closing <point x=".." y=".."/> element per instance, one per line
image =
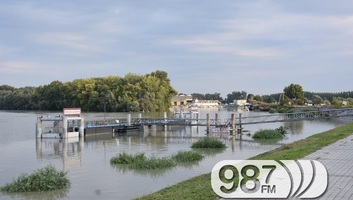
<point x="72" y="111"/>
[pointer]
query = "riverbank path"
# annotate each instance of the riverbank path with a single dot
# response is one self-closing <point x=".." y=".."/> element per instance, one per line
<point x="338" y="160"/>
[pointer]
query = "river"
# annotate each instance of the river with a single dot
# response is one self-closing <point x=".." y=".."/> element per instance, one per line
<point x="88" y="161"/>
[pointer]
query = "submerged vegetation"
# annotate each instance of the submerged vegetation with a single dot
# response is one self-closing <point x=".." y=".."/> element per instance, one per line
<point x="140" y="162"/>
<point x="187" y="156"/>
<point x="45" y="179"/>
<point x="153" y="163"/>
<point x="208" y="142"/>
<point x="277" y="133"/>
<point x="125" y="158"/>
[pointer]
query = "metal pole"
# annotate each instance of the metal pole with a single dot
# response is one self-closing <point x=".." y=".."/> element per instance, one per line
<point x="65" y="134"/>
<point x="129" y="119"/>
<point x="82" y="127"/>
<point x="165" y="117"/>
<point x="39" y="127"/>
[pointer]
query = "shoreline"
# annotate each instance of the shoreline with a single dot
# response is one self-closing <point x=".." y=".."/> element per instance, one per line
<point x="199" y="187"/>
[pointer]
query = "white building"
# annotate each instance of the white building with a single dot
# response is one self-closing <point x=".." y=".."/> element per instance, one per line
<point x="206" y="103"/>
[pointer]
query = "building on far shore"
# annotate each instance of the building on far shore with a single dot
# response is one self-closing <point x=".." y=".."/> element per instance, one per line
<point x="206" y="103"/>
<point x="181" y="100"/>
<point x="240" y="102"/>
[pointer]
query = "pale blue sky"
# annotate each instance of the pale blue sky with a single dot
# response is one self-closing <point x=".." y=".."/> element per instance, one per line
<point x="205" y="46"/>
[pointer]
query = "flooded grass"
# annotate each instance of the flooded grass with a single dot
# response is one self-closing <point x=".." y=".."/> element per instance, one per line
<point x="124" y="158"/>
<point x="153" y="163"/>
<point x="208" y="142"/>
<point x="187" y="156"/>
<point x="45" y="179"/>
<point x="140" y="162"/>
<point x="271" y="134"/>
<point x="200" y="187"/>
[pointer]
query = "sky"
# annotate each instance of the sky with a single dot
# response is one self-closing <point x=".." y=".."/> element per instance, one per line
<point x="205" y="46"/>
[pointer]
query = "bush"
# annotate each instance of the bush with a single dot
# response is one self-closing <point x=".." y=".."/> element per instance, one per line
<point x="153" y="163"/>
<point x="140" y="162"/>
<point x="277" y="133"/>
<point x="45" y="179"/>
<point x="187" y="156"/>
<point x="208" y="142"/>
<point x="124" y="158"/>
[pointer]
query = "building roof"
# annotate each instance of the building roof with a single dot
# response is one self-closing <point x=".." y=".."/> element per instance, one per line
<point x="207" y="101"/>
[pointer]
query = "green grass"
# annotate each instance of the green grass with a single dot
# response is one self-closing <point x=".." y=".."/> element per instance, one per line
<point x="208" y="142"/>
<point x="277" y="133"/>
<point x="152" y="163"/>
<point x="124" y="158"/>
<point x="187" y="156"/>
<point x="267" y="134"/>
<point x="200" y="187"/>
<point x="45" y="179"/>
<point x="140" y="162"/>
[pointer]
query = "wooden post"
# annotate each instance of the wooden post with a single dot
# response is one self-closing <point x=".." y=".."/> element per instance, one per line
<point x="208" y="124"/>
<point x="240" y="129"/>
<point x="197" y="118"/>
<point x="232" y="121"/>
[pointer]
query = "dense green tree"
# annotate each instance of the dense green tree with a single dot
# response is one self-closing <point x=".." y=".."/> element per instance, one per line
<point x="294" y="92"/>
<point x="133" y="92"/>
<point x="214" y="96"/>
<point x="317" y="100"/>
<point x="15" y="98"/>
<point x="198" y="96"/>
<point x="236" y="95"/>
<point x="258" y="98"/>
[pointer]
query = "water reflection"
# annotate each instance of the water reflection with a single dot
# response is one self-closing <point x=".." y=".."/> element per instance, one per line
<point x="294" y="127"/>
<point x="69" y="150"/>
<point x="49" y="195"/>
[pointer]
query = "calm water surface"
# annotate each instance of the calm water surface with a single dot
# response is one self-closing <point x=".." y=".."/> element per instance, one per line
<point x="87" y="161"/>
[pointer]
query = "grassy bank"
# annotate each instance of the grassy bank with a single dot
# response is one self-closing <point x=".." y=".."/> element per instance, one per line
<point x="200" y="187"/>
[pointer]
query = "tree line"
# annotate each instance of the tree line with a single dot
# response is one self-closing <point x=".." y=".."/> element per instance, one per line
<point x="133" y="92"/>
<point x="293" y="93"/>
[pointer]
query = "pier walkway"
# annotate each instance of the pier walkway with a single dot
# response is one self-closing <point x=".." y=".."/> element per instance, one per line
<point x="279" y="117"/>
<point x="122" y="125"/>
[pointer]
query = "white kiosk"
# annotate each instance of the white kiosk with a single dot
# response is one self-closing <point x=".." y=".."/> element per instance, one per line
<point x="70" y="125"/>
